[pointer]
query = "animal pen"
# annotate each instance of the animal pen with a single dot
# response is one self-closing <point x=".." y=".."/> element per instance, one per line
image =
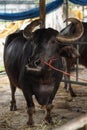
<point x="64" y="110"/>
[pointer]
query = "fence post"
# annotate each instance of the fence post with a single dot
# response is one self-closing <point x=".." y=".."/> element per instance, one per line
<point x="42" y="12"/>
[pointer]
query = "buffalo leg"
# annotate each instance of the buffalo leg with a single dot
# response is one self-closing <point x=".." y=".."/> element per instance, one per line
<point x="48" y="117"/>
<point x="49" y="106"/>
<point x="13" y="101"/>
<point x="67" y="77"/>
<point x="68" y="86"/>
<point x="30" y="111"/>
<point x="31" y="107"/>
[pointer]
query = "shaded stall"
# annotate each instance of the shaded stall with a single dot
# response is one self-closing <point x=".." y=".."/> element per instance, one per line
<point x="63" y="111"/>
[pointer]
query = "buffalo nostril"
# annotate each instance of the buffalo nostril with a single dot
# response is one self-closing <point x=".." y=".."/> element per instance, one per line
<point x="37" y="62"/>
<point x="29" y="60"/>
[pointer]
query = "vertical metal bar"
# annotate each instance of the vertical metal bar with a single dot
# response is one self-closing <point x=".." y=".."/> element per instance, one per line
<point x="83" y="12"/>
<point x="65" y="10"/>
<point x="42" y="12"/>
<point x="5" y="10"/>
<point x="77" y="63"/>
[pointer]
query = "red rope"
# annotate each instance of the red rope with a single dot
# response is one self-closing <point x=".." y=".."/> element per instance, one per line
<point x="52" y="67"/>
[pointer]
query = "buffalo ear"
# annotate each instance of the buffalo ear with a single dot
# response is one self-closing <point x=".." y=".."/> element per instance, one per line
<point x="69" y="52"/>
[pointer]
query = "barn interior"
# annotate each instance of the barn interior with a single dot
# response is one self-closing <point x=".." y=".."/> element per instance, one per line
<point x="69" y="113"/>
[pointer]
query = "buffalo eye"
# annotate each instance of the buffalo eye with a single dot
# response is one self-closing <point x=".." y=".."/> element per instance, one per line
<point x="52" y="42"/>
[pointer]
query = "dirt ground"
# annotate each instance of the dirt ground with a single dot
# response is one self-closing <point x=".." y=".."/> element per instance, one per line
<point x="64" y="109"/>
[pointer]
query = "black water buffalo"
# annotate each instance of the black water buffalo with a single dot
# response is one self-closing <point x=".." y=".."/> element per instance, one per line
<point x="24" y="55"/>
<point x="70" y="29"/>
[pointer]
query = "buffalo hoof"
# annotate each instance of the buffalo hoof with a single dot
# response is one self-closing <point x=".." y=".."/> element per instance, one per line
<point x="13" y="108"/>
<point x="73" y="94"/>
<point x="30" y="124"/>
<point x="70" y="90"/>
<point x="48" y="120"/>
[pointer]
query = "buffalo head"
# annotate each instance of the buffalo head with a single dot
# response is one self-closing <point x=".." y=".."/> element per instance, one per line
<point x="48" y="44"/>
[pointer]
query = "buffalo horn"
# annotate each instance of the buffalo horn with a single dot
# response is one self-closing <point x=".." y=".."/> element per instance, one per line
<point x="75" y="36"/>
<point x="27" y="32"/>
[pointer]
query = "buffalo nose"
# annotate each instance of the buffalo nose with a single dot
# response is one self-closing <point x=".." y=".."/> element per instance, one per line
<point x="37" y="62"/>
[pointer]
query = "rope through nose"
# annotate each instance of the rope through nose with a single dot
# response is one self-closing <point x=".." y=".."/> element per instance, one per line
<point x="65" y="73"/>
